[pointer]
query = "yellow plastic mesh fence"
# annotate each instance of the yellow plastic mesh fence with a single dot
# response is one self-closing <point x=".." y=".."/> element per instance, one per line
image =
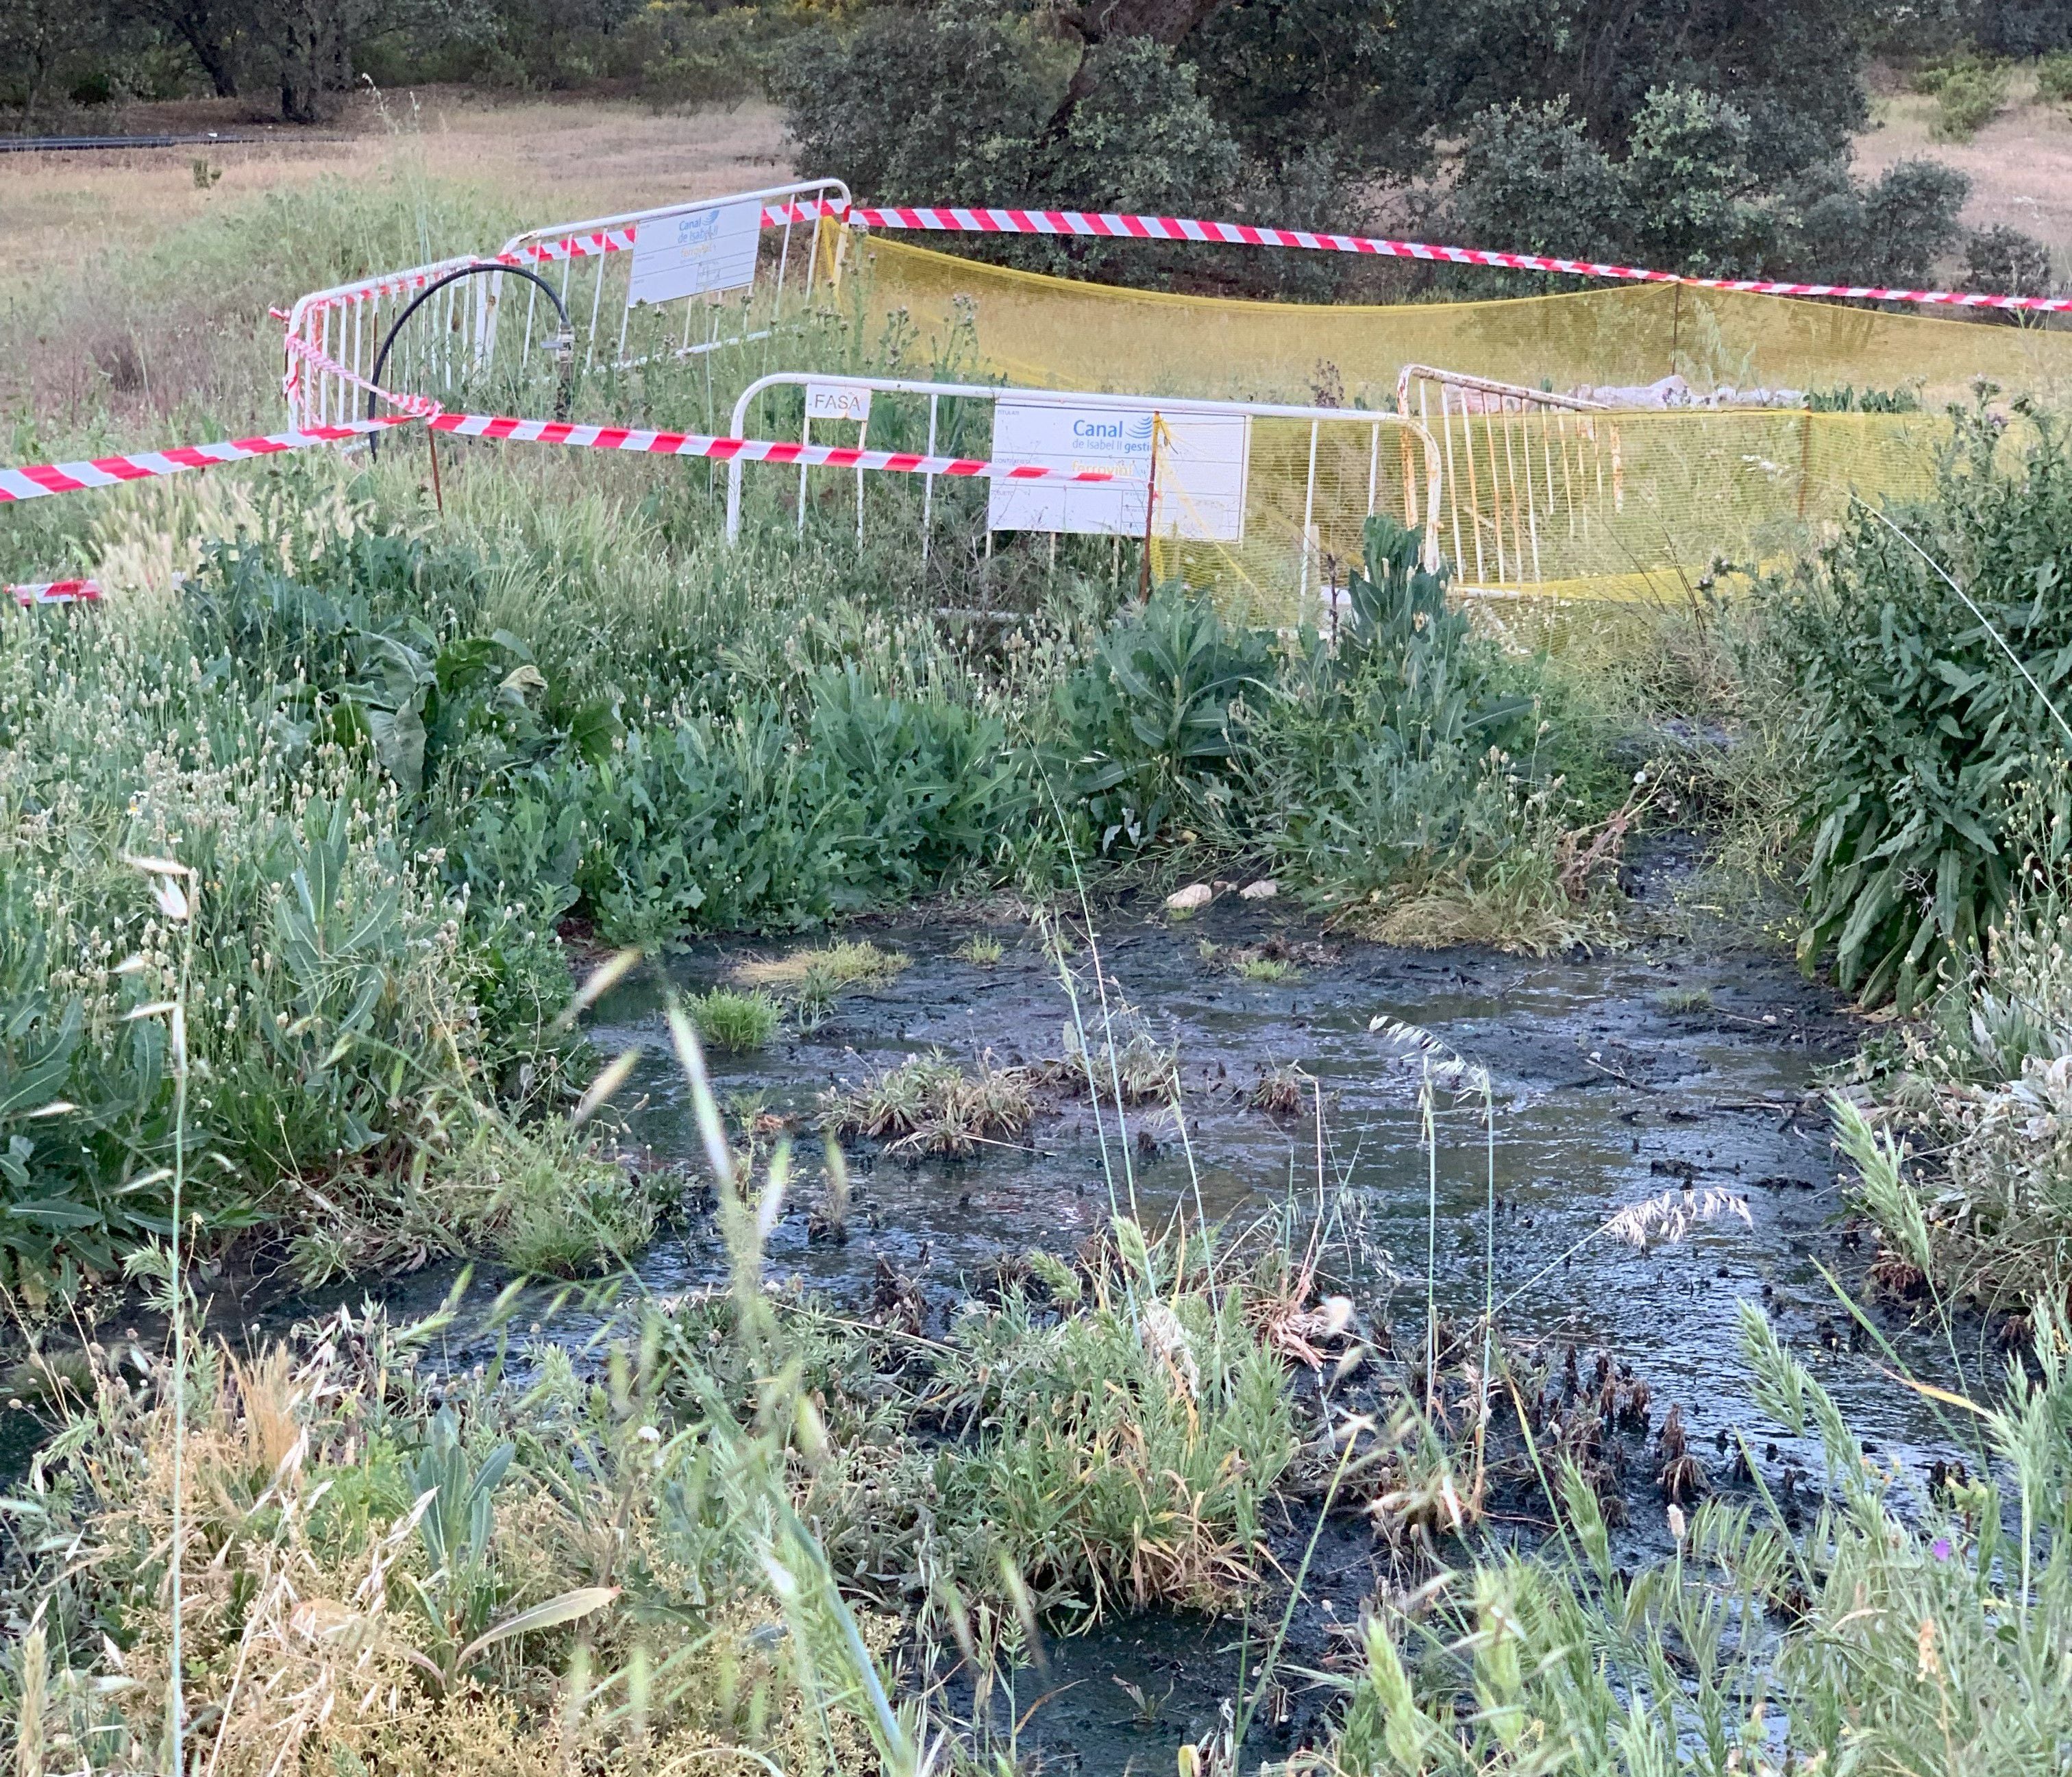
<point x="1604" y="505"/>
<point x="1311" y="484"/>
<point x="1038" y="329"/>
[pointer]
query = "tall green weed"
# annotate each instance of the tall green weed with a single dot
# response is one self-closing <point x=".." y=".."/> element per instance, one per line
<point x="1926" y="713"/>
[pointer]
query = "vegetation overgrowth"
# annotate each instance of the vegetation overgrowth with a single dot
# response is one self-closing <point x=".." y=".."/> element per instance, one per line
<point x="738" y="1527"/>
<point x="406" y="733"/>
<point x="300" y="830"/>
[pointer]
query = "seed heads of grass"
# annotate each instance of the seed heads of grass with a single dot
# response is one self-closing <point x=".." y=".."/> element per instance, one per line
<point x="734" y="1021"/>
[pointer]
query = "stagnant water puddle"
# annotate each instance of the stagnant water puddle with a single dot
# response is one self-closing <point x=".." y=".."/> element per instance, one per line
<point x="1614" y="1078"/>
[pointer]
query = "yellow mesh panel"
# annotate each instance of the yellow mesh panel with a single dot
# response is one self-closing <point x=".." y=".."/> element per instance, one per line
<point x="1310" y="486"/>
<point x="1049" y="331"/>
<point x="1623" y="505"/>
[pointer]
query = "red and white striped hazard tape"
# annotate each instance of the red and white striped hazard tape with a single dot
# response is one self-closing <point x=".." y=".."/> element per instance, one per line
<point x="1105" y="225"/>
<point x="588" y="245"/>
<point x="1110" y="225"/>
<point x="419" y="407"/>
<point x="695" y="444"/>
<point x="34" y="481"/>
<point x="54" y="592"/>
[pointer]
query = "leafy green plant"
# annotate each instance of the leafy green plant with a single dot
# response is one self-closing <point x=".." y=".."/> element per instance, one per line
<point x="1376" y="750"/>
<point x="1848" y="399"/>
<point x="1926" y="712"/>
<point x="1150" y="720"/>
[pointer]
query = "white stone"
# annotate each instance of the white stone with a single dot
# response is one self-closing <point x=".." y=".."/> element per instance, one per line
<point x="1186" y="900"/>
<point x="1262" y="890"/>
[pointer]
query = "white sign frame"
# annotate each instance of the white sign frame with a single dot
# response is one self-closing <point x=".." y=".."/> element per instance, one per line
<point x="696" y="251"/>
<point x="1203" y="462"/>
<point x="838" y="402"/>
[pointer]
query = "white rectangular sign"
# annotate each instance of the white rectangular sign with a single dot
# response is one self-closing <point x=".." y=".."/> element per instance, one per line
<point x="837" y="401"/>
<point x="1202" y="461"/>
<point x="694" y="251"/>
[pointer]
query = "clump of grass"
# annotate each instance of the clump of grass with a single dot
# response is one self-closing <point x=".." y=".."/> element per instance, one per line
<point x="1264" y="969"/>
<point x="1684" y="999"/>
<point x="817" y="977"/>
<point x="1124" y="1059"/>
<point x="736" y="1021"/>
<point x="930" y="1105"/>
<point x="982" y="949"/>
<point x="552" y="1203"/>
<point x="834" y="968"/>
<point x="1280" y="1092"/>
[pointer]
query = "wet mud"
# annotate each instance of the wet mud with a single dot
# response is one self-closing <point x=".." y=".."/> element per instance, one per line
<point x="1614" y="1079"/>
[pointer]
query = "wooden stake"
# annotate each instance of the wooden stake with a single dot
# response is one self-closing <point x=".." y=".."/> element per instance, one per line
<point x="1150" y="501"/>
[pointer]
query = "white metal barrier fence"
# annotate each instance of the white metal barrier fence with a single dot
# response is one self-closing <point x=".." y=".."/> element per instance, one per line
<point x="1220" y="483"/>
<point x="605" y="272"/>
<point x="1499" y="499"/>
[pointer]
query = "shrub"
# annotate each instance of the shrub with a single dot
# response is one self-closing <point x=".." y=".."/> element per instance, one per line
<point x="987" y="105"/>
<point x="1372" y="751"/>
<point x="1530" y="174"/>
<point x="2004" y="260"/>
<point x="2053" y="77"/>
<point x="1149" y="722"/>
<point x="1691" y="191"/>
<point x="1919" y="730"/>
<point x="1969" y="96"/>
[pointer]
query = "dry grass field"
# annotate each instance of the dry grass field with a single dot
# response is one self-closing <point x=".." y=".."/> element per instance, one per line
<point x="134" y="283"/>
<point x="62" y="211"/>
<point x="2019" y="164"/>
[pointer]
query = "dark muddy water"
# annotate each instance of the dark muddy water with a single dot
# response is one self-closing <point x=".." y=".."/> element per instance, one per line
<point x="1614" y="1079"/>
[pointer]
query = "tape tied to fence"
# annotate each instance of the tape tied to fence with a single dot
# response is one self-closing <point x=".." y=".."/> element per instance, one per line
<point x="1104" y="225"/>
<point x="35" y="481"/>
<point x="415" y="407"/>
